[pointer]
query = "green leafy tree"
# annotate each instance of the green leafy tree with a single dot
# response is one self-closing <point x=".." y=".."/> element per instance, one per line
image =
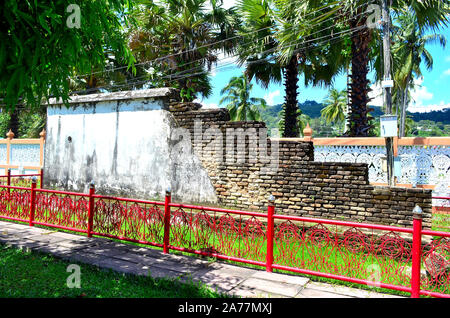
<point x="40" y="50"/>
<point x="274" y="52"/>
<point x="241" y="105"/>
<point x="181" y="40"/>
<point x="300" y="27"/>
<point x="429" y="14"/>
<point x="408" y="52"/>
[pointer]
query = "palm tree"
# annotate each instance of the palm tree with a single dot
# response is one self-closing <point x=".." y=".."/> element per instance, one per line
<point x="408" y="53"/>
<point x="307" y="35"/>
<point x="302" y="121"/>
<point x="258" y="52"/>
<point x="430" y="14"/>
<point x="242" y="107"/>
<point x="185" y="38"/>
<point x="360" y="46"/>
<point x="275" y="50"/>
<point x="336" y="106"/>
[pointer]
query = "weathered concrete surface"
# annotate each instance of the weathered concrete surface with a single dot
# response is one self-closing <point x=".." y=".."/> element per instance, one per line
<point x="164" y="94"/>
<point x="127" y="143"/>
<point x="232" y="280"/>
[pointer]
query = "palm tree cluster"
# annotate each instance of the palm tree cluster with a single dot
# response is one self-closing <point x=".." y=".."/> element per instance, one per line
<point x="176" y="43"/>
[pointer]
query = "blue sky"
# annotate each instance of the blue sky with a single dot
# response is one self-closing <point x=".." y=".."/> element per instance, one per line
<point x="432" y="91"/>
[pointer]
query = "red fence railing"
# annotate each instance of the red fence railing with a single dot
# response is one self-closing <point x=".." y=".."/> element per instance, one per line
<point x="411" y="260"/>
<point x="21" y="180"/>
<point x="441" y="213"/>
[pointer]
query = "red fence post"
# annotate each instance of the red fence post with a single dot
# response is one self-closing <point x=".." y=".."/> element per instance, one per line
<point x="42" y="178"/>
<point x="416" y="252"/>
<point x="8" y="182"/>
<point x="270" y="231"/>
<point x="33" y="201"/>
<point x="91" y="208"/>
<point x="167" y="221"/>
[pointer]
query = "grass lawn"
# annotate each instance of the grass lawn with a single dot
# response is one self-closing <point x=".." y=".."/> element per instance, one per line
<point x="325" y="258"/>
<point x="31" y="274"/>
<point x="441" y="222"/>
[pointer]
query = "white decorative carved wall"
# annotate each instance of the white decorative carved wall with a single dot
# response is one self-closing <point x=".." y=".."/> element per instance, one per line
<point x="21" y="155"/>
<point x="428" y="165"/>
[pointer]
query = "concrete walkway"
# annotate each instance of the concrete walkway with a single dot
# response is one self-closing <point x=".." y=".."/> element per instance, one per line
<point x="127" y="258"/>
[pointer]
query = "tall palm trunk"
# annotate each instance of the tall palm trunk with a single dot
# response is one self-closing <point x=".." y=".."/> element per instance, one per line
<point x="359" y="93"/>
<point x="14" y="121"/>
<point x="291" y="104"/>
<point x="404" y="103"/>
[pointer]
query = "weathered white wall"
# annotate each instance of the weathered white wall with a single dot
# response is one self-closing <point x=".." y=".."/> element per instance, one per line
<point x="125" y="145"/>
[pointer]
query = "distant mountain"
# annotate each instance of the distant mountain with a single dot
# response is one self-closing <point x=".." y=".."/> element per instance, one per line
<point x="442" y="116"/>
<point x="313" y="108"/>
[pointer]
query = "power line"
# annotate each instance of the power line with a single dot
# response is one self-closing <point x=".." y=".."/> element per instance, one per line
<point x="176" y="76"/>
<point x="179" y="75"/>
<point x="211" y="44"/>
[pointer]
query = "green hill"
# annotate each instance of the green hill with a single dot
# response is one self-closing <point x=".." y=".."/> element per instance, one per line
<point x="312" y="109"/>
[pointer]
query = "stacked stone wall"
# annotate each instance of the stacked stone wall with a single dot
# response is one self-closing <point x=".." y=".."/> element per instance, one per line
<point x="301" y="186"/>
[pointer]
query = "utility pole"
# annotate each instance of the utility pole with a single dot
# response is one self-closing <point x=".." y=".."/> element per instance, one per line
<point x="387" y="90"/>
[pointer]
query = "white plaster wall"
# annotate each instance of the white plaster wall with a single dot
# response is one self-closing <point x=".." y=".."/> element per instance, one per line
<point x="125" y="147"/>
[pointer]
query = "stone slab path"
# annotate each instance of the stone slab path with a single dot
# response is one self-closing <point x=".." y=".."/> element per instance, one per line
<point x="127" y="258"/>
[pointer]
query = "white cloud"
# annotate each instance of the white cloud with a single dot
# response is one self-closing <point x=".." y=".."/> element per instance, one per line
<point x="446" y="72"/>
<point x="270" y="97"/>
<point x="428" y="108"/>
<point x="206" y="105"/>
<point x="210" y="105"/>
<point x="376" y="95"/>
<point x="419" y="94"/>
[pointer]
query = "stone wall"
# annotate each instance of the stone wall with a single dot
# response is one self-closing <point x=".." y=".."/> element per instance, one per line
<point x="301" y="187"/>
<point x="122" y="142"/>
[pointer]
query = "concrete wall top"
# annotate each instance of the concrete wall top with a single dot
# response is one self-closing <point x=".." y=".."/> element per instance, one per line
<point x="152" y="93"/>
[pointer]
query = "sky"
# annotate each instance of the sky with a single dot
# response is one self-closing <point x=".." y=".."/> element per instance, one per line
<point x="432" y="92"/>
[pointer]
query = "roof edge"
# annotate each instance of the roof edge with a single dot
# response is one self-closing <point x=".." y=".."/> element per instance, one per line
<point x="164" y="92"/>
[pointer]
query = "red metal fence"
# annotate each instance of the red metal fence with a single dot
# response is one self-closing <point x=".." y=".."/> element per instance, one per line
<point x="21" y="179"/>
<point x="411" y="260"/>
<point x="441" y="213"/>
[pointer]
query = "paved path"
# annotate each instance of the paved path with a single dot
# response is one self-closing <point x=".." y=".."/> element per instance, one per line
<point x="127" y="258"/>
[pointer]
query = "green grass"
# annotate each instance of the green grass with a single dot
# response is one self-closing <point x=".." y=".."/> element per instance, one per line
<point x="32" y="274"/>
<point x="23" y="182"/>
<point x="306" y="253"/>
<point x="440" y="222"/>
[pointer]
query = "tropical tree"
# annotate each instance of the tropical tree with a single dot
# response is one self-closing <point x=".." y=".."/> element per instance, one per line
<point x="408" y="52"/>
<point x="303" y="50"/>
<point x="302" y="121"/>
<point x="181" y="41"/>
<point x="336" y="106"/>
<point x="257" y="51"/>
<point x="430" y="14"/>
<point x="242" y="107"/>
<point x="41" y="47"/>
<point x="277" y="33"/>
<point x="354" y="13"/>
